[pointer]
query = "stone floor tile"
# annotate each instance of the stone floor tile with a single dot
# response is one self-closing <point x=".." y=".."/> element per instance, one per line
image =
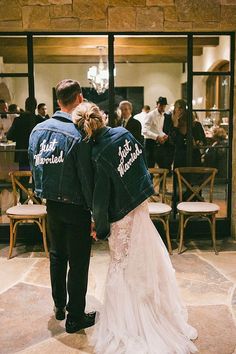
<point x="26" y="317"/>
<point x="13" y="271"/>
<point x="39" y="273"/>
<point x="200" y="283"/>
<point x="225" y="262"/>
<point x="62" y="344"/>
<point x="216" y="329"/>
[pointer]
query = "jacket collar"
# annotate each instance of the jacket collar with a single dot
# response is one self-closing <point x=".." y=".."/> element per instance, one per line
<point x="63" y="115"/>
<point x="100" y="133"/>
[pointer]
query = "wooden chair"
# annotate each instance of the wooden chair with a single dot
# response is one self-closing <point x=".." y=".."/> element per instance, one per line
<point x="25" y="213"/>
<point x="195" y="205"/>
<point x="160" y="210"/>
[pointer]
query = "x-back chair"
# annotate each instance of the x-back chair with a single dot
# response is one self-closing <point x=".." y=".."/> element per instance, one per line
<point x="31" y="211"/>
<point x="192" y="183"/>
<point x="160" y="210"/>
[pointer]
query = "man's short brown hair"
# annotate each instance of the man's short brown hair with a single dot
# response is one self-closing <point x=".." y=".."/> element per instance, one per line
<point x="67" y="91"/>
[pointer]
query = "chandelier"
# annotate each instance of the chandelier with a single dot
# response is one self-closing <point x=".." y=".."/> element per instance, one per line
<point x="98" y="76"/>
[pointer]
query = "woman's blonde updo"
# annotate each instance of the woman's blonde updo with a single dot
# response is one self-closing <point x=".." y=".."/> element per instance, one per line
<point x="89" y="118"/>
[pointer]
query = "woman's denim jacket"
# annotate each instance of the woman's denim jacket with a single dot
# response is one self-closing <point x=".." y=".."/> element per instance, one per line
<point x="122" y="181"/>
<point x="61" y="161"/>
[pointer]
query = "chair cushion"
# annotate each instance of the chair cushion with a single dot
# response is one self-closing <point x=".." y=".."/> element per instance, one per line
<point x="198" y="207"/>
<point x="28" y="209"/>
<point x="158" y="208"/>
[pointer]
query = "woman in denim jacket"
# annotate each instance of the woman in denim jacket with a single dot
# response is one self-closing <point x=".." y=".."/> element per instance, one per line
<point x="142" y="312"/>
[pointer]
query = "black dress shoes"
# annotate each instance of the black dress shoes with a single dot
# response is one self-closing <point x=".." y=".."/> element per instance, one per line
<point x="86" y="321"/>
<point x="60" y="313"/>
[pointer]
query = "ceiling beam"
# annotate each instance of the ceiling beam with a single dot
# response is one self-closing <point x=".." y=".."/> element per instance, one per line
<point x="93" y="42"/>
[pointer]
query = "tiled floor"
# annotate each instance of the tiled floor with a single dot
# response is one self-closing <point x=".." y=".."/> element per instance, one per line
<point x="207" y="282"/>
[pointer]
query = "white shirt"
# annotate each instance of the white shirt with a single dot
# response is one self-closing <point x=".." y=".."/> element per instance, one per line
<point x="141" y="118"/>
<point x="153" y="125"/>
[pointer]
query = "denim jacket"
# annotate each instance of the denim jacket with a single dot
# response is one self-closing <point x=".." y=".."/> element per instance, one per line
<point x="122" y="181"/>
<point x="61" y="161"/>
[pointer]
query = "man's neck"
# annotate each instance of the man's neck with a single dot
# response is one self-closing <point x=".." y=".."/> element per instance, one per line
<point x="67" y="110"/>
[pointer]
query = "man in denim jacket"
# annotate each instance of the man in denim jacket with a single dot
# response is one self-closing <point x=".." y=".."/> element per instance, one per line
<point x="61" y="164"/>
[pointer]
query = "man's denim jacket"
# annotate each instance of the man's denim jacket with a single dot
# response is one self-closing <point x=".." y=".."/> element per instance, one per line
<point x="61" y="161"/>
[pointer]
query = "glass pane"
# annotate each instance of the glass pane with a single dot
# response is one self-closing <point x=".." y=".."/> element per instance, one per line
<point x="211" y="92"/>
<point x="217" y="156"/>
<point x="149" y="67"/>
<point x="211" y="120"/>
<point x="13" y="54"/>
<point x="211" y="53"/>
<point x="83" y="58"/>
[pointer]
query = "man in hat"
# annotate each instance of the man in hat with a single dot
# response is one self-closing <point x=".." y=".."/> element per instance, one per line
<point x="156" y="130"/>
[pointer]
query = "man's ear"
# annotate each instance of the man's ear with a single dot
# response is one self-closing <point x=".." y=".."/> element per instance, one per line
<point x="80" y="98"/>
<point x="59" y="103"/>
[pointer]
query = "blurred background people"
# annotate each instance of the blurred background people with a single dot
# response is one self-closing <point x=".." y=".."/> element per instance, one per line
<point x="128" y="121"/>
<point x="42" y="113"/>
<point x="142" y="115"/>
<point x="20" y="132"/>
<point x="3" y="108"/>
<point x="156" y="130"/>
<point x="216" y="156"/>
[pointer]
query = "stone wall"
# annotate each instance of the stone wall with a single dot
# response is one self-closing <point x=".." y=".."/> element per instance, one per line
<point x="118" y="15"/>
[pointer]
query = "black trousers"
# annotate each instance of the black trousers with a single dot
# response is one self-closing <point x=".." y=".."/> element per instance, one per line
<point x="163" y="155"/>
<point x="70" y="242"/>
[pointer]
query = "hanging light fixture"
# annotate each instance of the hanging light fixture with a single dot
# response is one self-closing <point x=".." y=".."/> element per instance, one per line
<point x="98" y="76"/>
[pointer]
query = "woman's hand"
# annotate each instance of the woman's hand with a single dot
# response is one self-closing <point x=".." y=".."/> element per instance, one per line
<point x="93" y="233"/>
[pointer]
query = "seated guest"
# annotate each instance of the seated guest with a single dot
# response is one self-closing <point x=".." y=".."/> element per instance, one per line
<point x="216" y="156"/>
<point x="128" y="122"/>
<point x="42" y="112"/>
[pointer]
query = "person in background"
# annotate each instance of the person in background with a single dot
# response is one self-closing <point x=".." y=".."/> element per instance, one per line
<point x="128" y="121"/>
<point x="3" y="108"/>
<point x="14" y="109"/>
<point x="216" y="156"/>
<point x="179" y="138"/>
<point x="179" y="135"/>
<point x="42" y="113"/>
<point x="156" y="130"/>
<point x="4" y="126"/>
<point x="63" y="175"/>
<point x="20" y="133"/>
<point x="13" y="112"/>
<point x="142" y="115"/>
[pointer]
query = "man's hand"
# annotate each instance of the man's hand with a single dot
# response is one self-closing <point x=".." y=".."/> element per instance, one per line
<point x="162" y="139"/>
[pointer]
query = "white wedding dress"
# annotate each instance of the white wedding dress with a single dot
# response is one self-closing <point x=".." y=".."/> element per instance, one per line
<point x="142" y="311"/>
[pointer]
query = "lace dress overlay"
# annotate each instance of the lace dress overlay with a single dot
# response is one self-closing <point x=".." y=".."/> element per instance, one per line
<point x="142" y="311"/>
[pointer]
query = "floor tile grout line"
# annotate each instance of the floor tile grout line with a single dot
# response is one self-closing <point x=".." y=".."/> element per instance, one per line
<point x="218" y="269"/>
<point x="34" y="284"/>
<point x="231" y="305"/>
<point x="21" y="279"/>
